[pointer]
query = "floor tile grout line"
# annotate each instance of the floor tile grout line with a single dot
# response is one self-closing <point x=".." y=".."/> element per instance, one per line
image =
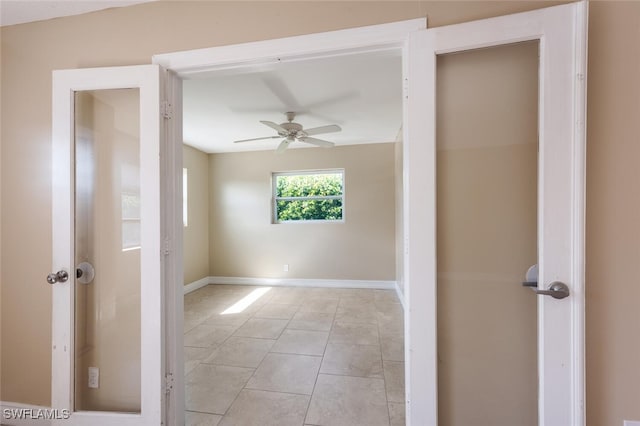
<point x="244" y="386"/>
<point x="349" y="375"/>
<point x="254" y="369"/>
<point x="202" y="412"/>
<point x="299" y="308"/>
<point x="227" y="365"/>
<point x="238" y="394"/>
<point x="320" y="366"/>
<point x="384" y="376"/>
<point x="295" y="353"/>
<point x="278" y="392"/>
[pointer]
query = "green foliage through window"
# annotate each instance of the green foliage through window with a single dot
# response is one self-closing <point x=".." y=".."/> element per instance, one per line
<point x="309" y="196"/>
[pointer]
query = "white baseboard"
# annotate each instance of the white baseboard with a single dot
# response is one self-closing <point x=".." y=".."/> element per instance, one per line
<point x="399" y="293"/>
<point x="196" y="284"/>
<point x="18" y="414"/>
<point x="295" y="282"/>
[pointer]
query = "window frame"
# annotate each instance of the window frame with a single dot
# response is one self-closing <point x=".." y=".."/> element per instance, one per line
<point x="274" y="198"/>
<point x="136" y="218"/>
<point x="185" y="197"/>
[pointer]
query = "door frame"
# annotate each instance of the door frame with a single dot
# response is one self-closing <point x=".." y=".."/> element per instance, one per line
<point x="187" y="64"/>
<point x="420" y="378"/>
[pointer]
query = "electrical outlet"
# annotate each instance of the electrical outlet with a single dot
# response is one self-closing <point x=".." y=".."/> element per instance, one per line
<point x="94" y="377"/>
<point x="285" y="268"/>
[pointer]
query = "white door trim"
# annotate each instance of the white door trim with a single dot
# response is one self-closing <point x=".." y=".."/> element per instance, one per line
<point x="173" y="266"/>
<point x="561" y="31"/>
<point x="65" y="82"/>
<point x="189" y="63"/>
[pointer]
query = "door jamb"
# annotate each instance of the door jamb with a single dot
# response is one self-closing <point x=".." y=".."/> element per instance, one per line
<point x="172" y="249"/>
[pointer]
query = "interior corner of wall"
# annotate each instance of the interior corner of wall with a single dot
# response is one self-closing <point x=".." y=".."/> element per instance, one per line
<point x="399" y="287"/>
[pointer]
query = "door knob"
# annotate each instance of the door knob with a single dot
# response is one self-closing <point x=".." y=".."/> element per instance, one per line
<point x="85" y="273"/>
<point x="59" y="277"/>
<point x="556" y="289"/>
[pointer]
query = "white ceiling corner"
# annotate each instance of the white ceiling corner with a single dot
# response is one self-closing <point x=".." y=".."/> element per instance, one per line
<point x="22" y="11"/>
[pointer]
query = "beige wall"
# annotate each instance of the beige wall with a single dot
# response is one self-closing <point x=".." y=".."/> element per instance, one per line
<point x="613" y="214"/>
<point x="230" y="231"/>
<point x="244" y="242"/>
<point x="196" y="233"/>
<point x="31" y="51"/>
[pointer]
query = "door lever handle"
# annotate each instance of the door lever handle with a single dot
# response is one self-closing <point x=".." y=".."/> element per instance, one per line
<point x="557" y="290"/>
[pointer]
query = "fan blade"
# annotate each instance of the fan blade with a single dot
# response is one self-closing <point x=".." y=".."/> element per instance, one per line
<point x="257" y="139"/>
<point x="283" y="145"/>
<point x="281" y="91"/>
<point x="278" y="128"/>
<point x="323" y="129"/>
<point x="318" y="142"/>
<point x="333" y="100"/>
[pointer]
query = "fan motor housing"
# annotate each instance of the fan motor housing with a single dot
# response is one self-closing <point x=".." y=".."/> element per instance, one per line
<point x="291" y="127"/>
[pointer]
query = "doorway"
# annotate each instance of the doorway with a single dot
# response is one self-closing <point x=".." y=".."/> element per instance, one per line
<point x="377" y="39"/>
<point x="317" y="326"/>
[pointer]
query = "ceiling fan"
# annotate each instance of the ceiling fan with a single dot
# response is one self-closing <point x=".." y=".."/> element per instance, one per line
<point x="292" y="132"/>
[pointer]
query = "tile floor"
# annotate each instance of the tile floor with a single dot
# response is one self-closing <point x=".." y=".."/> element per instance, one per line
<point x="294" y="356"/>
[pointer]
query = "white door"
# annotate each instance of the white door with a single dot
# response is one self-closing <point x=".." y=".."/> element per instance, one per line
<point x="108" y="351"/>
<point x="560" y="33"/>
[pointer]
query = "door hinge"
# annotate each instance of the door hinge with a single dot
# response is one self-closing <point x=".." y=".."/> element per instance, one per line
<point x="405" y="88"/>
<point x="168" y="383"/>
<point x="166" y="247"/>
<point x="166" y="109"/>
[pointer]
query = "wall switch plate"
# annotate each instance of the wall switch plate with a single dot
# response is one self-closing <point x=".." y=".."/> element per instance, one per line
<point x="285" y="268"/>
<point x="94" y="377"/>
<point x="631" y="423"/>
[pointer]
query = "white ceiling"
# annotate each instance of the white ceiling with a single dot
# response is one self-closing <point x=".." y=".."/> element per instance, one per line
<point x="21" y="11"/>
<point x="361" y="93"/>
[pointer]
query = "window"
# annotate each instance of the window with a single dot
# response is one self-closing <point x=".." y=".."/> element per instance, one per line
<point x="185" y="198"/>
<point x="308" y="196"/>
<point x="130" y="221"/>
<point x="130" y="206"/>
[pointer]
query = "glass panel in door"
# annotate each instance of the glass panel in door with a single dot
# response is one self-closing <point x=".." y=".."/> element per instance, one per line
<point x="487" y="150"/>
<point x="107" y="251"/>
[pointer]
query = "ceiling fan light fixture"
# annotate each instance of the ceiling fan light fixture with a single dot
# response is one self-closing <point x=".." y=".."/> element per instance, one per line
<point x="292" y="132"/>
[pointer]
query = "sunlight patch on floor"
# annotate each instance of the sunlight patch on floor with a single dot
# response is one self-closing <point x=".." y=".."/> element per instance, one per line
<point x="246" y="301"/>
